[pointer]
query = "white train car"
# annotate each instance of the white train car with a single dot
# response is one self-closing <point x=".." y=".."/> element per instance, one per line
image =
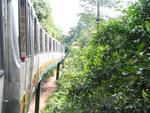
<point x="27" y="52"/>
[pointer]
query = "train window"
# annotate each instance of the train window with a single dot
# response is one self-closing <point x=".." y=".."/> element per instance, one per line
<point x="22" y="32"/>
<point x="28" y="30"/>
<point x="35" y="37"/>
<point x="56" y="46"/>
<point x="52" y="49"/>
<point x="1" y="36"/>
<point x="62" y="49"/>
<point x="53" y="45"/>
<point x="50" y="44"/>
<point x="32" y="31"/>
<point x="38" y="38"/>
<point x="59" y="48"/>
<point x="41" y="42"/>
<point x="45" y="42"/>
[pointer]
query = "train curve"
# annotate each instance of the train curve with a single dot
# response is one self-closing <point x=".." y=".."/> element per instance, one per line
<point x="27" y="52"/>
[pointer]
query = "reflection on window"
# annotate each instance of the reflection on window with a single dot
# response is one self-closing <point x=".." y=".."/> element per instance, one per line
<point x="41" y="42"/>
<point x="35" y="37"/>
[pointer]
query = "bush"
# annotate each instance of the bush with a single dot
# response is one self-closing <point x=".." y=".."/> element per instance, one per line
<point x="111" y="75"/>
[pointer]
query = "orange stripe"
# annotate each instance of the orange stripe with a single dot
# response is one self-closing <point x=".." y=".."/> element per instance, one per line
<point x="40" y="70"/>
<point x="29" y="90"/>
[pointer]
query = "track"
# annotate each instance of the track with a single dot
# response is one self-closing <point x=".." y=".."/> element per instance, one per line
<point x="47" y="88"/>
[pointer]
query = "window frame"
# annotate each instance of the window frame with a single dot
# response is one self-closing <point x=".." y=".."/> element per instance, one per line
<point x="45" y="42"/>
<point x="41" y="40"/>
<point x="1" y="36"/>
<point x="50" y="41"/>
<point x="53" y="45"/>
<point x="23" y="30"/>
<point x="28" y="30"/>
<point x="35" y="37"/>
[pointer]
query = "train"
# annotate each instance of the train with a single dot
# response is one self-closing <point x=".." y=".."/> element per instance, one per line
<point x="27" y="53"/>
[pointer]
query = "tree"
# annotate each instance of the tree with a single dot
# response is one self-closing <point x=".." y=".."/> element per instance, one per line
<point x="90" y="5"/>
<point x="111" y="73"/>
<point x="44" y="14"/>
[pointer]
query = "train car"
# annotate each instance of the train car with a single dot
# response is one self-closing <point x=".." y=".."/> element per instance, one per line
<point x="27" y="53"/>
<point x="1" y="51"/>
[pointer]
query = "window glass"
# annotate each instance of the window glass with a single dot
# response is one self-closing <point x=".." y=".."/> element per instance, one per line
<point x="22" y="32"/>
<point x="28" y="31"/>
<point x="41" y="43"/>
<point x="45" y="42"/>
<point x="1" y="35"/>
<point x="53" y="45"/>
<point x="59" y="48"/>
<point x="35" y="37"/>
<point x="56" y="47"/>
<point x="31" y="31"/>
<point x="50" y="44"/>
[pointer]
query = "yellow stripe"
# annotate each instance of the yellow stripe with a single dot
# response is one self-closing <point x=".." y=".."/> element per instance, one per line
<point x="40" y="70"/>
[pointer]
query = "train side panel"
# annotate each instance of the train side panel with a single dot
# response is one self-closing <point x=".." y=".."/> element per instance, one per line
<point x="12" y="60"/>
<point x="42" y="53"/>
<point x="28" y="52"/>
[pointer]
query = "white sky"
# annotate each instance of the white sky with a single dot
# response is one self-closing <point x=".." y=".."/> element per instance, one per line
<point x="65" y="13"/>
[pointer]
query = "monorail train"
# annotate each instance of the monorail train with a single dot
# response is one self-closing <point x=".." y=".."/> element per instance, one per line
<point x="27" y="52"/>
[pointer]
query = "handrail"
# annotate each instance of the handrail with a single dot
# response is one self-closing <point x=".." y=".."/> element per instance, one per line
<point x="1" y="73"/>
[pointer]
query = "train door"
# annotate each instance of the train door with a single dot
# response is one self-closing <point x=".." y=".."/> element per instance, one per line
<point x="1" y="59"/>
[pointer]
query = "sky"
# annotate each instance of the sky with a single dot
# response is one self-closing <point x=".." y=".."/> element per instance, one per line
<point x="65" y="13"/>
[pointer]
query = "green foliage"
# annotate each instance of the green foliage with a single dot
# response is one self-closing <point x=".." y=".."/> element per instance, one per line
<point x="44" y="14"/>
<point x="80" y="35"/>
<point x="48" y="75"/>
<point x="110" y="74"/>
<point x="89" y="5"/>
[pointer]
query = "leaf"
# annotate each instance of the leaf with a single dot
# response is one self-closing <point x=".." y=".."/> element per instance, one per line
<point x="140" y="48"/>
